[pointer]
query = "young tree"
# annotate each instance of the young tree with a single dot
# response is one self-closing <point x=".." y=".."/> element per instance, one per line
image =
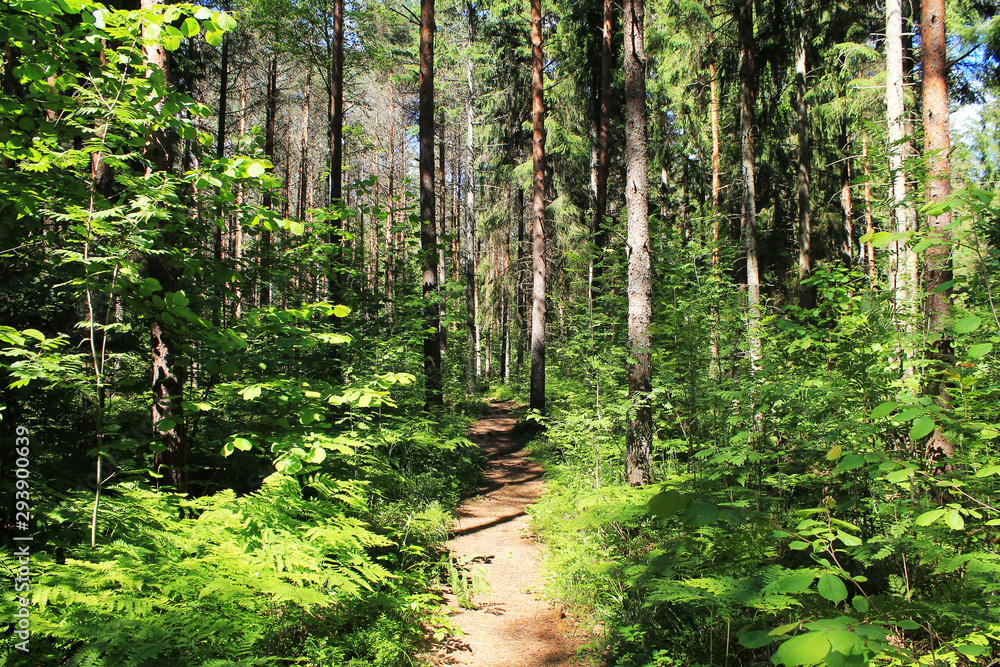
<point x="639" y="431"/>
<point x="537" y="398"/>
<point x="428" y="227"/>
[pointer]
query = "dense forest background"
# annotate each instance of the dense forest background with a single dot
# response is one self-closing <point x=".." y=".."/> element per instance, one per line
<point x="263" y="261"/>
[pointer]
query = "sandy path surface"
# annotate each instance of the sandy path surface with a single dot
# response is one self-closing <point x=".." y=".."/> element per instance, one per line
<point x="512" y="626"/>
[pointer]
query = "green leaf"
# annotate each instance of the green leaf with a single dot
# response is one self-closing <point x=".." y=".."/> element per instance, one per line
<point x="296" y="228"/>
<point x="972" y="650"/>
<point x="796" y="583"/>
<point x="981" y="350"/>
<point x="702" y="514"/>
<point x="851" y="461"/>
<point x="190" y="27"/>
<point x="798" y="545"/>
<point x="968" y="324"/>
<point x="755" y="639"/>
<point x="943" y="287"/>
<point x="214" y="37"/>
<point x="242" y="444"/>
<point x="668" y="503"/>
<point x="987" y="471"/>
<point x="883" y="410"/>
<point x="867" y="236"/>
<point x="834" y="453"/>
<point x="251" y="392"/>
<point x="922" y="427"/>
<point x="203" y="13"/>
<point x="848" y="539"/>
<point x="954" y="520"/>
<point x="256" y="170"/>
<point x="225" y="21"/>
<point x="341" y="311"/>
<point x="860" y="603"/>
<point x="784" y="629"/>
<point x="923" y="245"/>
<point x="907" y="624"/>
<point x="832" y="588"/>
<point x="165" y="425"/>
<point x="807" y="649"/>
<point x="927" y="518"/>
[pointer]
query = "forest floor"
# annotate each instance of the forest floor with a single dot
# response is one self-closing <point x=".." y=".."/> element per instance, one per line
<point x="511" y="625"/>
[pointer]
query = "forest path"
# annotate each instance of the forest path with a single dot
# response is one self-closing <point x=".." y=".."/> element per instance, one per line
<point x="511" y="626"/>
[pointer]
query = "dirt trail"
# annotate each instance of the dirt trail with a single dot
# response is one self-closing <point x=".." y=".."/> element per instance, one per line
<point x="512" y="626"/>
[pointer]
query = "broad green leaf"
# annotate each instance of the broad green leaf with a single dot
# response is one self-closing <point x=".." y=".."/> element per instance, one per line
<point x="296" y="228"/>
<point x="251" y="392"/>
<point x="832" y="588"/>
<point x="318" y="455"/>
<point x="784" y="629"/>
<point x="242" y="444"/>
<point x="987" y="471"/>
<point x="907" y="624"/>
<point x="923" y="245"/>
<point x="668" y="503"/>
<point x="796" y="583"/>
<point x="834" y="453"/>
<point x="851" y="461"/>
<point x="798" y="545"/>
<point x="190" y="27"/>
<point x="165" y="425"/>
<point x="341" y="310"/>
<point x="256" y="170"/>
<point x="848" y="539"/>
<point x="755" y="639"/>
<point x="225" y="21"/>
<point x="860" y="603"/>
<point x="968" y="324"/>
<point x="954" y="520"/>
<point x="922" y="427"/>
<point x="911" y="414"/>
<point x="867" y="236"/>
<point x="365" y="400"/>
<point x="214" y="37"/>
<point x="981" y="350"/>
<point x="203" y="13"/>
<point x="702" y="514"/>
<point x="883" y="410"/>
<point x="846" y="643"/>
<point x="807" y="649"/>
<point x="927" y="518"/>
<point x="972" y="650"/>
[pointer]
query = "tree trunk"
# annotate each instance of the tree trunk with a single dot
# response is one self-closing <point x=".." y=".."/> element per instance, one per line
<point x="167" y="374"/>
<point x="467" y="242"/>
<point x="748" y="99"/>
<point x="846" y="205"/>
<point x="537" y="393"/>
<point x="639" y="428"/>
<point x="270" y="121"/>
<point x="806" y="293"/>
<point x="599" y="233"/>
<point x="937" y="144"/>
<point x="900" y="261"/>
<point x="869" y="249"/>
<point x="428" y="229"/>
<point x="304" y="150"/>
<point x="520" y="299"/>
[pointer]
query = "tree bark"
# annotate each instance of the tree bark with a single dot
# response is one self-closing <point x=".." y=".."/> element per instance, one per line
<point x="428" y="230"/>
<point x="748" y="99"/>
<point x="599" y="232"/>
<point x="537" y="391"/>
<point x="937" y="144"/>
<point x="270" y="122"/>
<point x="165" y="342"/>
<point x="639" y="428"/>
<point x="806" y="293"/>
<point x="900" y="260"/>
<point x="846" y="204"/>
<point x="304" y="150"/>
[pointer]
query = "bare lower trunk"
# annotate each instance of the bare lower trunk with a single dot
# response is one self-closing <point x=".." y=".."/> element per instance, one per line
<point x="428" y="228"/>
<point x="748" y="96"/>
<point x="806" y="292"/>
<point x="639" y="428"/>
<point x="537" y="393"/>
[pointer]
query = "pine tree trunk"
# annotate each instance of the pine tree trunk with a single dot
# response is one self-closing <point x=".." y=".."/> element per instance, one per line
<point x="167" y="370"/>
<point x="598" y="232"/>
<point x="806" y="293"/>
<point x="270" y="122"/>
<point x="748" y="100"/>
<point x="428" y="229"/>
<point x="537" y="392"/>
<point x="846" y="205"/>
<point x="639" y="428"/>
<point x="304" y="149"/>
<point x="937" y="144"/>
